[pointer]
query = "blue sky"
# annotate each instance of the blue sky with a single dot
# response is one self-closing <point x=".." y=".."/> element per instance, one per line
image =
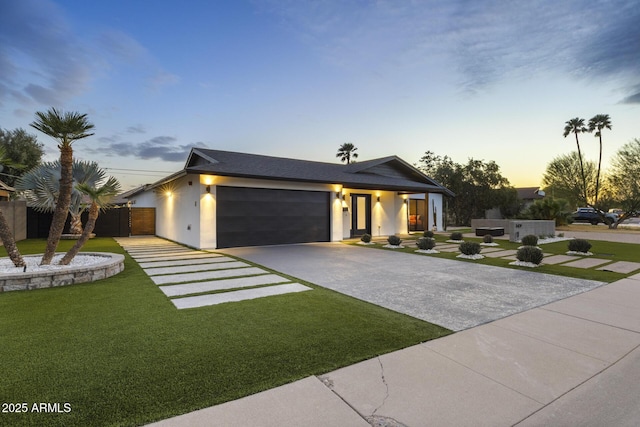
<point x="491" y="80"/>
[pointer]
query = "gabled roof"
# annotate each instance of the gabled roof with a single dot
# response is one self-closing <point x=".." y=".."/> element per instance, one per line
<point x="530" y="193"/>
<point x="387" y="173"/>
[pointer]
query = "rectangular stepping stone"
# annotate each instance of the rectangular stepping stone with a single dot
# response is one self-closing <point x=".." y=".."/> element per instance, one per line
<point x="586" y="263"/>
<point x="558" y="259"/>
<point x="175" y="262"/>
<point x="193" y="268"/>
<point x="158" y="250"/>
<point x="621" y="267"/>
<point x="189" y="256"/>
<point x="486" y="250"/>
<point x="222" y="284"/>
<point x="206" y="275"/>
<point x="501" y="254"/>
<point x="446" y="248"/>
<point x="234" y="296"/>
<point x="168" y="254"/>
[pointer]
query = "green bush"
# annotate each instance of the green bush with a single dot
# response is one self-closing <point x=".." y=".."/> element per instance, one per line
<point x="428" y="233"/>
<point x="579" y="245"/>
<point x="426" y="243"/>
<point x="530" y="254"/>
<point x="394" y="240"/>
<point x="366" y="238"/>
<point x="530" y="240"/>
<point x="456" y="235"/>
<point x="488" y="238"/>
<point x="470" y="248"/>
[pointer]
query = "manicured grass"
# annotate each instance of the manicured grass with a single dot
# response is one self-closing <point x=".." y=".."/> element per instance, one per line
<point x="601" y="249"/>
<point x="120" y="353"/>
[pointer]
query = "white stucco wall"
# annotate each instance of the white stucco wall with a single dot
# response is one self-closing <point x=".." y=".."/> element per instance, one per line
<point x="178" y="210"/>
<point x="388" y="216"/>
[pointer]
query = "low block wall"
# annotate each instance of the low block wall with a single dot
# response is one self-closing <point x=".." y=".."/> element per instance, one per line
<point x="112" y="265"/>
<point x="518" y="229"/>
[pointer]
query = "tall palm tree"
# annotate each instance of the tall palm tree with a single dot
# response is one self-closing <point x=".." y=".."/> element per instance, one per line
<point x="346" y="152"/>
<point x="66" y="128"/>
<point x="577" y="126"/>
<point x="101" y="198"/>
<point x="6" y="236"/>
<point x="597" y="123"/>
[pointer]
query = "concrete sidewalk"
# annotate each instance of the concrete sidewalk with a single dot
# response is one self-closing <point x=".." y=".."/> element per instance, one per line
<point x="570" y="362"/>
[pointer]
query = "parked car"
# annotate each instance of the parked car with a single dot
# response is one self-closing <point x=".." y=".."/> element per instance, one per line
<point x="594" y="216"/>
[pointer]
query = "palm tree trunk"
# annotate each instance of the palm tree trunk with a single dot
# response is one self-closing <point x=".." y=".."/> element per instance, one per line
<point x="9" y="242"/>
<point x="599" y="164"/>
<point x="76" y="224"/>
<point x="62" y="205"/>
<point x="584" y="180"/>
<point x="94" y="210"/>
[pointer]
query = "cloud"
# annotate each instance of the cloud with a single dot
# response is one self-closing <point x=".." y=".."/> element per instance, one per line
<point x="632" y="99"/>
<point x="482" y="42"/>
<point x="136" y="129"/>
<point x="160" y="147"/>
<point x="42" y="61"/>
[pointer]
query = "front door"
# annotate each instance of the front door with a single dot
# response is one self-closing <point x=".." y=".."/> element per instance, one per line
<point x="360" y="214"/>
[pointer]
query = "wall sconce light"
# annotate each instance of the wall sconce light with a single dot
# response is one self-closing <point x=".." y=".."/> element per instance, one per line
<point x="344" y="197"/>
<point x="378" y="198"/>
<point x="208" y="188"/>
<point x="406" y="201"/>
<point x="338" y="195"/>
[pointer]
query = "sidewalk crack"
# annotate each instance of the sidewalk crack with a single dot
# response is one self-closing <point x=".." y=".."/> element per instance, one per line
<point x="384" y="381"/>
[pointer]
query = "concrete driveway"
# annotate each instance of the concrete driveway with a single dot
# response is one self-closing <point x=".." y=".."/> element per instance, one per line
<point x="453" y="294"/>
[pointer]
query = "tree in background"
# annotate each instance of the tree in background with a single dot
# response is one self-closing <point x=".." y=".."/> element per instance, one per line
<point x="6" y="235"/>
<point x="66" y="128"/>
<point x="347" y="152"/>
<point x="23" y="152"/>
<point x="577" y="126"/>
<point x="597" y="123"/>
<point x="563" y="179"/>
<point x="478" y="185"/>
<point x="625" y="179"/>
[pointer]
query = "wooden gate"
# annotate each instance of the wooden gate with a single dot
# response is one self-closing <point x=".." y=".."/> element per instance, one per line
<point x="143" y="221"/>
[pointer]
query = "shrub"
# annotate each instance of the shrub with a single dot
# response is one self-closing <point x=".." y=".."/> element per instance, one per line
<point x="366" y="238"/>
<point x="488" y="238"/>
<point x="579" y="245"/>
<point x="470" y="248"/>
<point x="426" y="243"/>
<point x="530" y="240"/>
<point x="530" y="254"/>
<point x="394" y="240"/>
<point x="428" y="233"/>
<point x="456" y="235"/>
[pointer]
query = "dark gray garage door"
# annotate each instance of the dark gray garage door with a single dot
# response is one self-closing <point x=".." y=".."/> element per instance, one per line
<point x="258" y="216"/>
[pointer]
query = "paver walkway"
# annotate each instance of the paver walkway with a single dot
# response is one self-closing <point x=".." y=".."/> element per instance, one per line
<point x="192" y="278"/>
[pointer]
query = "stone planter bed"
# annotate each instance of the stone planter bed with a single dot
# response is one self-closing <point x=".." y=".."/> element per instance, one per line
<point x="99" y="265"/>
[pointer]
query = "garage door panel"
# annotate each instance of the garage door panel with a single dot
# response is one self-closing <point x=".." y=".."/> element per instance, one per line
<point x="258" y="216"/>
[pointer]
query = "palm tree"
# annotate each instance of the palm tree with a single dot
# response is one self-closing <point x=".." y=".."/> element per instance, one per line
<point x="66" y="128"/>
<point x="6" y="236"/>
<point x="346" y="152"/>
<point x="40" y="187"/>
<point x="100" y="200"/>
<point x="599" y="122"/>
<point x="577" y="126"/>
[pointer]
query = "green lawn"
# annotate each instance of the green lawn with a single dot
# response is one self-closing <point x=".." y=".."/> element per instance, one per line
<point x="120" y="354"/>
<point x="601" y="249"/>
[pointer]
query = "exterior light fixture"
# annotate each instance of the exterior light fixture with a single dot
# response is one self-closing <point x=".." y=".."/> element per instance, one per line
<point x="338" y="195"/>
<point x="344" y="197"/>
<point x="378" y="198"/>
<point x="208" y="188"/>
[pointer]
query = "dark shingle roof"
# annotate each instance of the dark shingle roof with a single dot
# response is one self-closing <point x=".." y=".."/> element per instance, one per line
<point x="388" y="173"/>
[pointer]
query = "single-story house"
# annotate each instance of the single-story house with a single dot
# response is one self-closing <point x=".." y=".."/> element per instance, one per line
<point x="528" y="195"/>
<point x="226" y="199"/>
